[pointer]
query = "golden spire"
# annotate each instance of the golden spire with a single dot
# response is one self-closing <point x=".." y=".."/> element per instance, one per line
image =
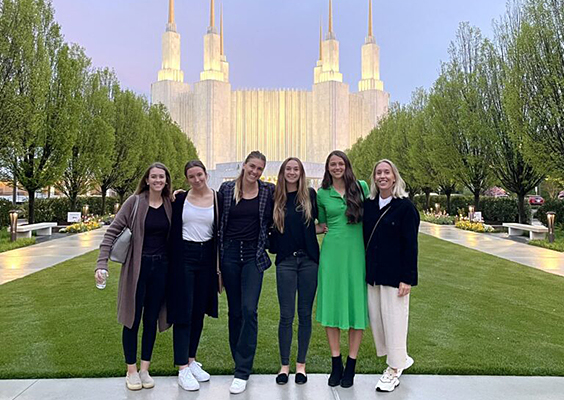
<point x="320" y="39"/>
<point x="212" y="14"/>
<point x="171" y="11"/>
<point x="330" y="16"/>
<point x="221" y="27"/>
<point x="369" y="18"/>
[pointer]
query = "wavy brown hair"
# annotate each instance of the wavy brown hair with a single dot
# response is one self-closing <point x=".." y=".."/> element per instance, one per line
<point x="238" y="192"/>
<point x="281" y="196"/>
<point x="143" y="187"/>
<point x="352" y="187"/>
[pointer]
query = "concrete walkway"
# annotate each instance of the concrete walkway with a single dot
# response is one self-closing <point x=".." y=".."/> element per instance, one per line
<point x="18" y="263"/>
<point x="537" y="257"/>
<point x="263" y="387"/>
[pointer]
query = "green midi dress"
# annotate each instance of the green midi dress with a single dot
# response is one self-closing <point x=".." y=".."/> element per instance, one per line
<point x="341" y="292"/>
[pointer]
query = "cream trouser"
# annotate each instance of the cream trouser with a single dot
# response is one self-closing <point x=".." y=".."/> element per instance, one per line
<point x="388" y="319"/>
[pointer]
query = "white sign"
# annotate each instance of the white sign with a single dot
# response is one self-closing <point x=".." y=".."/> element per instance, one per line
<point x="478" y="216"/>
<point x="74" y="216"/>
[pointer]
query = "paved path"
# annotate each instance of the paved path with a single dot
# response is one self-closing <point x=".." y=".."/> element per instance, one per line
<point x="18" y="263"/>
<point x="522" y="253"/>
<point x="263" y="387"/>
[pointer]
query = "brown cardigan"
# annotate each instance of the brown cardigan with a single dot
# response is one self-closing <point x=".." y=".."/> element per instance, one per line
<point x="131" y="268"/>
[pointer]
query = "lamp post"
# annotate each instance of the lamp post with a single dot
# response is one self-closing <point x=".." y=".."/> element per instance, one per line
<point x="84" y="211"/>
<point x="437" y="208"/>
<point x="550" y="217"/>
<point x="471" y="213"/>
<point x="116" y="208"/>
<point x="13" y="225"/>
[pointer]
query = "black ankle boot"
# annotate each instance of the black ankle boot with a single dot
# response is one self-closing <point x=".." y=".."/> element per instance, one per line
<point x="336" y="371"/>
<point x="348" y="376"/>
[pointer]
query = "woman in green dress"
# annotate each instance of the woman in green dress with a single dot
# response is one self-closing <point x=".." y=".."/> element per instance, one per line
<point x="341" y="294"/>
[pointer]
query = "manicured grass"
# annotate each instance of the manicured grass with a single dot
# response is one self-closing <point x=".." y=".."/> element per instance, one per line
<point x="471" y="314"/>
<point x="6" y="244"/>
<point x="557" y="245"/>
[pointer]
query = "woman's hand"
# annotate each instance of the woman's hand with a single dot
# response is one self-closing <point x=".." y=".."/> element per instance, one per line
<point x="404" y="289"/>
<point x="175" y="193"/>
<point x="321" y="228"/>
<point x="99" y="275"/>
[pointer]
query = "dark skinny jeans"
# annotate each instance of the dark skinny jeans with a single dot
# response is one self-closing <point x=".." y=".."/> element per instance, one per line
<point x="296" y="273"/>
<point x="149" y="298"/>
<point x="200" y="273"/>
<point x="243" y="283"/>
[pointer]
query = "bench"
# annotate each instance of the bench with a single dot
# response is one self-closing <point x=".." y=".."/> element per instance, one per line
<point x="42" y="228"/>
<point x="535" y="231"/>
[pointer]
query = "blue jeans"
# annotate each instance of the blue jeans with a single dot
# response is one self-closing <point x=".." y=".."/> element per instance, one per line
<point x="243" y="283"/>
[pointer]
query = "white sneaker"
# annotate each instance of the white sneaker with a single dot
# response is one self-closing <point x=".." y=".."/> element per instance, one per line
<point x="238" y="386"/>
<point x="198" y="372"/>
<point x="187" y="381"/>
<point x="388" y="381"/>
<point x="408" y="364"/>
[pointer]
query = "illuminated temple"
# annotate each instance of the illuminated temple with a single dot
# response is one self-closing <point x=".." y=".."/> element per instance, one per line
<point x="226" y="124"/>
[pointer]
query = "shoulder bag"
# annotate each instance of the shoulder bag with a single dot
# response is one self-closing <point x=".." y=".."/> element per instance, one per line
<point x="216" y="218"/>
<point x="120" y="248"/>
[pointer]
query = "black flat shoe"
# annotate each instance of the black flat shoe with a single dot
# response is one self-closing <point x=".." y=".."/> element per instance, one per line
<point x="301" y="378"/>
<point x="282" y="379"/>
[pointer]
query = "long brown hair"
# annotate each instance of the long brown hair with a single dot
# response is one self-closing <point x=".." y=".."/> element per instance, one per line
<point x="281" y="196"/>
<point x="238" y="192"/>
<point x="143" y="186"/>
<point x="352" y="187"/>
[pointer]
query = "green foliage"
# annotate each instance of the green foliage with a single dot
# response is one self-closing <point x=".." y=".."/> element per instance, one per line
<point x="557" y="245"/>
<point x="556" y="206"/>
<point x="439" y="219"/>
<point x="56" y="209"/>
<point x="6" y="244"/>
<point x="457" y="202"/>
<point x="5" y="207"/>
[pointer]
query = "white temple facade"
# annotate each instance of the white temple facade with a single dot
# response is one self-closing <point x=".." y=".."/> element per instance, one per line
<point x="225" y="124"/>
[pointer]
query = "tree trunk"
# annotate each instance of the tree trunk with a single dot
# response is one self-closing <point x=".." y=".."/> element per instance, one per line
<point x="15" y="192"/>
<point x="73" y="198"/>
<point x="448" y="194"/>
<point x="523" y="218"/>
<point x="476" y="200"/>
<point x="427" y="192"/>
<point x="31" y="206"/>
<point x="103" y="189"/>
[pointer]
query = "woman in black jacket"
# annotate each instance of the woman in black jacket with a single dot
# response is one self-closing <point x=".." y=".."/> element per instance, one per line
<point x="391" y="225"/>
<point x="295" y="243"/>
<point x="193" y="280"/>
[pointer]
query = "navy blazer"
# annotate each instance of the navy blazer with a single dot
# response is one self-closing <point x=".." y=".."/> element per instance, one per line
<point x="391" y="255"/>
<point x="266" y="199"/>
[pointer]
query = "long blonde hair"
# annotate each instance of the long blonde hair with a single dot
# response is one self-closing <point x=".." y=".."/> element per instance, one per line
<point x="398" y="191"/>
<point x="238" y="192"/>
<point x="281" y="196"/>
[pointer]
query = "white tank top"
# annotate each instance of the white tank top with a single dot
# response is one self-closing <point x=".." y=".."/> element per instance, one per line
<point x="197" y="222"/>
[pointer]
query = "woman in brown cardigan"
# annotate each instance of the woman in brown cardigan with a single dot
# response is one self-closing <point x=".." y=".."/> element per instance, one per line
<point x="142" y="282"/>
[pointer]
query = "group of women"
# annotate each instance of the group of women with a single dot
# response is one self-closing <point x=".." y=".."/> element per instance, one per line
<point x="363" y="273"/>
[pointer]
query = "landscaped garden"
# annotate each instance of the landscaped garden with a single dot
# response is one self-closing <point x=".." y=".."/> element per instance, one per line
<point x="6" y="244"/>
<point x="471" y="314"/>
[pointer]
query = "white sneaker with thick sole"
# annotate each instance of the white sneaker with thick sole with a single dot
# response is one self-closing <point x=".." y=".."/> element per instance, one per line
<point x="133" y="381"/>
<point x="408" y="364"/>
<point x="187" y="381"/>
<point x="146" y="380"/>
<point x="198" y="372"/>
<point x="388" y="381"/>
<point x="238" y="386"/>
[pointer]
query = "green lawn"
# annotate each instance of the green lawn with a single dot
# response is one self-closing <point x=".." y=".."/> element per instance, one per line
<point x="557" y="245"/>
<point x="472" y="314"/>
<point x="6" y="244"/>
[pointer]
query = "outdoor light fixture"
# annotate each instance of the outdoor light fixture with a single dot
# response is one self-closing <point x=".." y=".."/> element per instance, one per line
<point x="437" y="207"/>
<point x="116" y="208"/>
<point x="13" y="225"/>
<point x="84" y="211"/>
<point x="550" y="217"/>
<point x="471" y="213"/>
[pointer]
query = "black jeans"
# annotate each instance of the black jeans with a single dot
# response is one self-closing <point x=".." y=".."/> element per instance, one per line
<point x="243" y="283"/>
<point x="199" y="273"/>
<point x="296" y="273"/>
<point x="149" y="298"/>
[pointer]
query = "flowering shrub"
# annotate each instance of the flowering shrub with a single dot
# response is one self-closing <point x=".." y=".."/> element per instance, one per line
<point x="89" y="223"/>
<point x="474" y="226"/>
<point x="439" y="218"/>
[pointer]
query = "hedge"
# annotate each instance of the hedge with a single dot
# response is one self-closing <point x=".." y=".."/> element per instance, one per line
<point x="552" y="205"/>
<point x="56" y="209"/>
<point x="494" y="209"/>
<point x="5" y="207"/>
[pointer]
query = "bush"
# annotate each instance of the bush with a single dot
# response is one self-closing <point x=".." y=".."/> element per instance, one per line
<point x="494" y="209"/>
<point x="5" y="207"/>
<point x="467" y="225"/>
<point x="552" y="205"/>
<point x="56" y="209"/>
<point x="442" y="218"/>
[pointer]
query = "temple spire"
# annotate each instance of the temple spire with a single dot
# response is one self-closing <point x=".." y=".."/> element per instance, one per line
<point x="221" y="31"/>
<point x="370" y="18"/>
<point x="212" y="14"/>
<point x="330" y="16"/>
<point x="321" y="39"/>
<point x="171" y="11"/>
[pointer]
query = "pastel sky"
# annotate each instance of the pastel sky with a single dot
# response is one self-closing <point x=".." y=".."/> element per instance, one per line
<point x="274" y="44"/>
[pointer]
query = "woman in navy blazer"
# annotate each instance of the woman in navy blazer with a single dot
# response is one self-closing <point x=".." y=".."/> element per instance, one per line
<point x="391" y="224"/>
